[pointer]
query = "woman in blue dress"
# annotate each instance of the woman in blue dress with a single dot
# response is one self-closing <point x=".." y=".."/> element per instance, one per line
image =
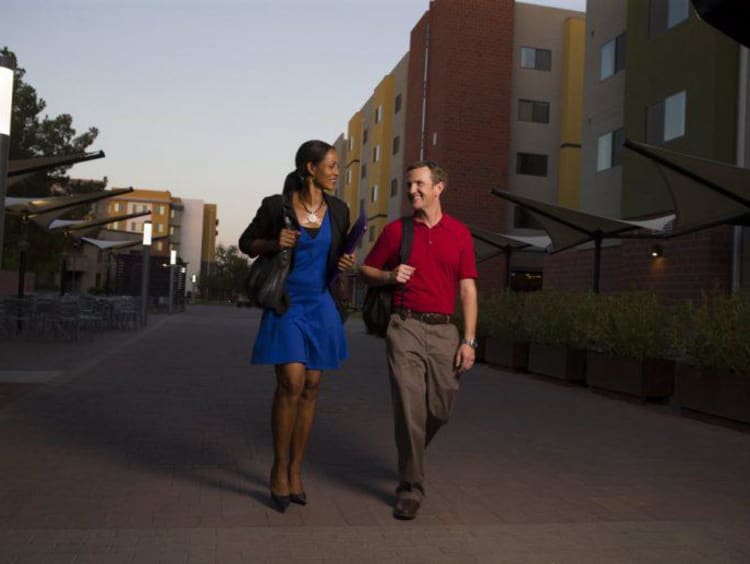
<point x="306" y="337"/>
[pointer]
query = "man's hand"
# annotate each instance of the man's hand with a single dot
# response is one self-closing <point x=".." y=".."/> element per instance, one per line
<point x="401" y="274"/>
<point x="346" y="262"/>
<point x="465" y="358"/>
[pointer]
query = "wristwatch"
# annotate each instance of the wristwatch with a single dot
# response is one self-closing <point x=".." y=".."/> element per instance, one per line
<point x="473" y="343"/>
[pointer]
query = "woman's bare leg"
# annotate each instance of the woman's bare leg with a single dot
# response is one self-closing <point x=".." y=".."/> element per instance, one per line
<point x="305" y="415"/>
<point x="290" y="383"/>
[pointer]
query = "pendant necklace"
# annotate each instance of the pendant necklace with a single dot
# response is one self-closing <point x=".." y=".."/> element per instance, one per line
<point x="311" y="214"/>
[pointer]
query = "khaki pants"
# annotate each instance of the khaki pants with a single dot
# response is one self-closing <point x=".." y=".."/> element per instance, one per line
<point x="424" y="384"/>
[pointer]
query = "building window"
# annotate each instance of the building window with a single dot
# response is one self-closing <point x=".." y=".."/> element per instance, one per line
<point x="171" y="230"/>
<point x="396" y="144"/>
<point x="531" y="164"/>
<point x="394" y="187"/>
<point x="364" y="170"/>
<point x="434" y="137"/>
<point x="160" y="228"/>
<point x="537" y="59"/>
<point x="378" y="114"/>
<point x="666" y="14"/>
<point x="397" y="104"/>
<point x="117" y="206"/>
<point x="162" y="211"/>
<point x="524" y="219"/>
<point x="364" y="137"/>
<point x="529" y="110"/>
<point x="666" y="120"/>
<point x="348" y="176"/>
<point x="374" y="193"/>
<point x="116" y="226"/>
<point x="609" y="149"/>
<point x="612" y="57"/>
<point x="159" y="246"/>
<point x="171" y="214"/>
<point x="132" y="226"/>
<point x="376" y="153"/>
<point x="351" y="143"/>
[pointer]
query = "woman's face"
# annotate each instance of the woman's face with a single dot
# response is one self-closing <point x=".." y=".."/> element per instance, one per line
<point x="326" y="172"/>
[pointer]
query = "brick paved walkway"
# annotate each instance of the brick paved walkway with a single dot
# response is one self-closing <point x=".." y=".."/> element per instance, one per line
<point x="155" y="447"/>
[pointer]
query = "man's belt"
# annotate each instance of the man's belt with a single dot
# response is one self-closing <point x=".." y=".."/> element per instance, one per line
<point x="424" y="317"/>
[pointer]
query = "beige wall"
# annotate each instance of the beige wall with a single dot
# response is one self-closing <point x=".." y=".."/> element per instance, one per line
<point x="603" y="107"/>
<point x="398" y="126"/>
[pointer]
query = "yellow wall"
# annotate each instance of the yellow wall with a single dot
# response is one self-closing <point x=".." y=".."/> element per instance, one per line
<point x="571" y="110"/>
<point x="210" y="229"/>
<point x="351" y="162"/>
<point x="381" y="135"/>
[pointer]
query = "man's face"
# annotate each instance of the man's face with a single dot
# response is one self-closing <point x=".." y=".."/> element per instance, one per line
<point x="423" y="193"/>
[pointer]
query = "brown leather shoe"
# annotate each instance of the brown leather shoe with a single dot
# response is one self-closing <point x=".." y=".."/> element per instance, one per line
<point x="406" y="509"/>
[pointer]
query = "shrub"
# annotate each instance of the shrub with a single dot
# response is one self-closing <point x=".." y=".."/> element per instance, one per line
<point x="633" y="325"/>
<point x="717" y="332"/>
<point x="501" y="316"/>
<point x="559" y="318"/>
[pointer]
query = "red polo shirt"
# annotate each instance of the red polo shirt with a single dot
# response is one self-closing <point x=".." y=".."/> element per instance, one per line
<point x="441" y="255"/>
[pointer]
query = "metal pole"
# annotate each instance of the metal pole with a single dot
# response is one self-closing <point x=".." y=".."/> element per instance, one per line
<point x="6" y="105"/>
<point x="508" y="252"/>
<point x="171" y="288"/>
<point x="597" y="260"/>
<point x="145" y="271"/>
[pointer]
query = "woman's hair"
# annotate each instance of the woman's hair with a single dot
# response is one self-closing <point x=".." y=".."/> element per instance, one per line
<point x="313" y="151"/>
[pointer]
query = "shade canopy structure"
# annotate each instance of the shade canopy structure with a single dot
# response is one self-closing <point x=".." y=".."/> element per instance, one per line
<point x="20" y="167"/>
<point x="105" y="245"/>
<point x="69" y="225"/>
<point x="568" y="228"/>
<point x="493" y="244"/>
<point x="705" y="193"/>
<point x="32" y="207"/>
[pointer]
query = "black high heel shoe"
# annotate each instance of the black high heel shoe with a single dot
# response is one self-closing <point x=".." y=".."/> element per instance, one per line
<point x="298" y="498"/>
<point x="281" y="501"/>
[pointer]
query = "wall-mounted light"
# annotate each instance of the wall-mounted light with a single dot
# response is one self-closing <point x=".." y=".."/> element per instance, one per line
<point x="173" y="257"/>
<point x="657" y="251"/>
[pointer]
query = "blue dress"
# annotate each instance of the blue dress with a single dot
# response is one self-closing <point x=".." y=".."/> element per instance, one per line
<point x="310" y="331"/>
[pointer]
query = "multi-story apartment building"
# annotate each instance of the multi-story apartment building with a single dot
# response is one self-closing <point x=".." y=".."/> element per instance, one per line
<point x="657" y="74"/>
<point x="501" y="110"/>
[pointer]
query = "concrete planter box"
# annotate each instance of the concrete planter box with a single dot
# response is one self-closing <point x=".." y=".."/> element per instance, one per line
<point x="714" y="392"/>
<point x="508" y="355"/>
<point x="650" y="379"/>
<point x="557" y="362"/>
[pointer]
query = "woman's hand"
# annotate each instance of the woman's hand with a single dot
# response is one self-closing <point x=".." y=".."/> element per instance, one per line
<point x="346" y="262"/>
<point x="288" y="238"/>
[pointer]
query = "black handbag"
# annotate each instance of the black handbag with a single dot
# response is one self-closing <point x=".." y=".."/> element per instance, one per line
<point x="376" y="309"/>
<point x="265" y="281"/>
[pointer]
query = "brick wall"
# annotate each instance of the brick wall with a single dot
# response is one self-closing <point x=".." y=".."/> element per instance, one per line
<point x="468" y="106"/>
<point x="690" y="264"/>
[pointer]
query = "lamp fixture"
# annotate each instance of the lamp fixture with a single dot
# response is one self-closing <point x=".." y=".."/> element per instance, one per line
<point x="657" y="251"/>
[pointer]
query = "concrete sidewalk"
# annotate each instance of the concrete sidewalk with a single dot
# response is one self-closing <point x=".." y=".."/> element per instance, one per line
<point x="155" y="447"/>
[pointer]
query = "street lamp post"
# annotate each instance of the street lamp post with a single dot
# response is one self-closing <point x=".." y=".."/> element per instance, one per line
<point x="7" y="68"/>
<point x="147" y="230"/>
<point x="172" y="263"/>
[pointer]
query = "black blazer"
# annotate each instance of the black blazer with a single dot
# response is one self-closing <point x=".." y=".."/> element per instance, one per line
<point x="269" y="220"/>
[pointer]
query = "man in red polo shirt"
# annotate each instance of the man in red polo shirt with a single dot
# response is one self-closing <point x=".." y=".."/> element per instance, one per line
<point x="425" y="353"/>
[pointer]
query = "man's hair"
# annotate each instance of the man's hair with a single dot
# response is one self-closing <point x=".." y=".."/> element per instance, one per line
<point x="438" y="172"/>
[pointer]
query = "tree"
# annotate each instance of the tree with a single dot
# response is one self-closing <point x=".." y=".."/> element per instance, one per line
<point x="228" y="277"/>
<point x="35" y="136"/>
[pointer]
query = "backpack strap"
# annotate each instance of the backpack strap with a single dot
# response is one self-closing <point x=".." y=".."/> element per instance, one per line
<point x="407" y="236"/>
